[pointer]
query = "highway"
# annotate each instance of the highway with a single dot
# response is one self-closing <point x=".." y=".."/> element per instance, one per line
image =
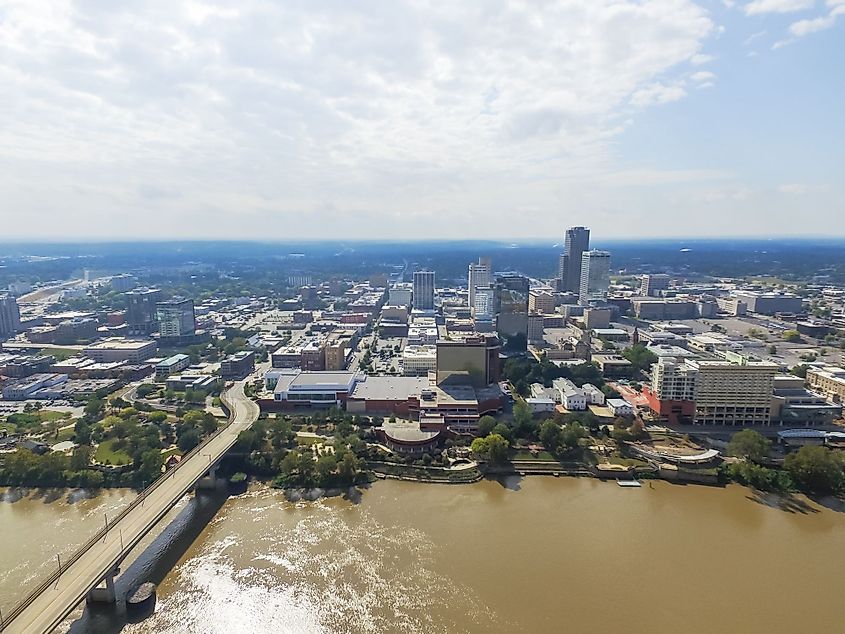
<point x="51" y="602"/>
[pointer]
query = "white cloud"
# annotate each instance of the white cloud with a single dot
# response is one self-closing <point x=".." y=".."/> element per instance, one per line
<point x="701" y="76"/>
<point x="805" y="27"/>
<point x="287" y="118"/>
<point x="758" y="7"/>
<point x="793" y="188"/>
<point x="701" y="59"/>
<point x="754" y="36"/>
<point x="657" y="93"/>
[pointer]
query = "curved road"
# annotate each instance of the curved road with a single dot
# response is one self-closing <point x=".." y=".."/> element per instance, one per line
<point x="45" y="610"/>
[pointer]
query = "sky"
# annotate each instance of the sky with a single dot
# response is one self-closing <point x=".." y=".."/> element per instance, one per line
<point x="419" y="119"/>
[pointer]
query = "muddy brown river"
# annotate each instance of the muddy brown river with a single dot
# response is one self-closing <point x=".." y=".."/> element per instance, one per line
<point x="524" y="555"/>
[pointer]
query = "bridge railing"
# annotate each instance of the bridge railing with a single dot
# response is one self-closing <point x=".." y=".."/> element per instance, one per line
<point x="100" y="534"/>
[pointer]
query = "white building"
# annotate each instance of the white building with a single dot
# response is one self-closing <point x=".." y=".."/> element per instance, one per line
<point x="479" y="275"/>
<point x="400" y="294"/>
<point x="419" y="360"/>
<point x="619" y="407"/>
<point x="571" y="397"/>
<point x="595" y="276"/>
<point x="594" y="395"/>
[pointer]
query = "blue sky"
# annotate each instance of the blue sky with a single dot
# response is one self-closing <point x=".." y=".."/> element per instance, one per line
<point x="421" y="119"/>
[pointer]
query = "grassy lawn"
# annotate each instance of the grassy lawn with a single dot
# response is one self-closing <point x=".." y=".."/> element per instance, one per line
<point x="9" y="427"/>
<point x="64" y="434"/>
<point x="524" y="454"/>
<point x="106" y="454"/>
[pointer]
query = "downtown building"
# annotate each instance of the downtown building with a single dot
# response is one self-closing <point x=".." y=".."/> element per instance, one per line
<point x="141" y="306"/>
<point x="176" y="321"/>
<point x="423" y="290"/>
<point x="595" y="277"/>
<point x="577" y="241"/>
<point x="734" y="392"/>
<point x="479" y="275"/>
<point x="10" y="316"/>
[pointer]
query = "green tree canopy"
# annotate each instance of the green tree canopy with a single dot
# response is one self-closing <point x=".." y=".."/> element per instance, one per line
<point x="749" y="444"/>
<point x="816" y="469"/>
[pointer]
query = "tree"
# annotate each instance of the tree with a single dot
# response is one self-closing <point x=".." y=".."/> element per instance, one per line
<point x="82" y="432"/>
<point x="503" y="430"/>
<point x="572" y="434"/>
<point x="550" y="435"/>
<point x="157" y="417"/>
<point x="486" y="425"/>
<point x="800" y="370"/>
<point x="750" y="445"/>
<point x="497" y="448"/>
<point x="151" y="464"/>
<point x="815" y="469"/>
<point x="640" y="356"/>
<point x="523" y="419"/>
<point x="81" y="458"/>
<point x="188" y="440"/>
<point x="493" y="448"/>
<point x="326" y="466"/>
<point x="791" y="336"/>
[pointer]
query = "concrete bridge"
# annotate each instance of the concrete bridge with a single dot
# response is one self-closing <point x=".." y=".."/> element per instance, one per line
<point x="98" y="561"/>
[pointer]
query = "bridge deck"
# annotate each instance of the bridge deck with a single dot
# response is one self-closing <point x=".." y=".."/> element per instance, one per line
<point x="51" y="602"/>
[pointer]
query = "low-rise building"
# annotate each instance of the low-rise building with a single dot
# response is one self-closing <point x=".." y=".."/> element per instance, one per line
<point x="119" y="349"/>
<point x="238" y="365"/>
<point x="172" y="365"/>
<point x="620" y="407"/>
<point x="419" y="360"/>
<point x="828" y="380"/>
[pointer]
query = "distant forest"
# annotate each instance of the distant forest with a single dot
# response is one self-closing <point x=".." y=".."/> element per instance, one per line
<point x="792" y="260"/>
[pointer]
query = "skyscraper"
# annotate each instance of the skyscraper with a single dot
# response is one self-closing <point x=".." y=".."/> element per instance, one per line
<point x="424" y="290"/>
<point x="512" y="311"/>
<point x="577" y="242"/>
<point x="176" y="319"/>
<point x="10" y="316"/>
<point x="141" y="310"/>
<point x="479" y="276"/>
<point x="595" y="276"/>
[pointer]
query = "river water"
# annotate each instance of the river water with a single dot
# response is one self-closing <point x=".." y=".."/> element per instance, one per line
<point x="536" y="554"/>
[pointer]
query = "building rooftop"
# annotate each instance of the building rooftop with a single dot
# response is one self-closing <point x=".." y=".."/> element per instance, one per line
<point x="389" y="388"/>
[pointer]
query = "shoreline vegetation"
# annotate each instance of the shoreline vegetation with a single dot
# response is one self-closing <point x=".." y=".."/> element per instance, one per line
<point x="121" y="444"/>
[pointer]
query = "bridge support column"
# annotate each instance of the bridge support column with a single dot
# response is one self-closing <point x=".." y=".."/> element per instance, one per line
<point x="107" y="594"/>
<point x="209" y="481"/>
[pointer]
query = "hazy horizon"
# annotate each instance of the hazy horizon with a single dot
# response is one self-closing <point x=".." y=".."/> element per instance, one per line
<point x="425" y="120"/>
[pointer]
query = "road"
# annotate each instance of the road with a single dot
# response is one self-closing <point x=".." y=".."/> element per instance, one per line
<point x="49" y="607"/>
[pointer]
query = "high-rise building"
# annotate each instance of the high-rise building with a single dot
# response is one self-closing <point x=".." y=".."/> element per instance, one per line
<point x="734" y="392"/>
<point x="652" y="284"/>
<point x="424" y="290"/>
<point x="479" y="275"/>
<point x="10" y="316"/>
<point x="485" y="302"/>
<point x="576" y="243"/>
<point x="176" y="319"/>
<point x="512" y="310"/>
<point x="595" y="276"/>
<point x="472" y="361"/>
<point x="141" y="310"/>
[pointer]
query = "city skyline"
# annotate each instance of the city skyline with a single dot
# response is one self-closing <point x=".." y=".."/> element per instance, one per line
<point x="640" y="120"/>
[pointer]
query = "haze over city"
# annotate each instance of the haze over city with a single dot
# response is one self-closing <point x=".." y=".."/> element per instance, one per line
<point x="409" y="120"/>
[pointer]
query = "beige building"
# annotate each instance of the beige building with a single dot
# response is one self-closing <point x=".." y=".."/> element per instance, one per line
<point x="733" y="392"/>
<point x="541" y="300"/>
<point x="829" y="380"/>
<point x="419" y="360"/>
